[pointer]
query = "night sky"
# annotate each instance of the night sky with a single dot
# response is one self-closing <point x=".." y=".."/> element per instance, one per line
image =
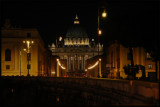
<point x="127" y="21"/>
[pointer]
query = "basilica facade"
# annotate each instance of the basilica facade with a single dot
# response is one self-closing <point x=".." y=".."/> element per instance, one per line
<point x="75" y="48"/>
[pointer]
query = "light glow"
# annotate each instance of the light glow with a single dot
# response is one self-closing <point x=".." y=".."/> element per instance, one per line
<point x="59" y="63"/>
<point x="100" y="32"/>
<point x="104" y="14"/>
<point x="60" y="38"/>
<point x="53" y="72"/>
<point x="76" y="22"/>
<point x="91" y="67"/>
<point x="28" y="42"/>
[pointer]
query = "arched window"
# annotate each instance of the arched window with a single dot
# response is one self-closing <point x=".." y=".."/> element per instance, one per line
<point x="7" y="55"/>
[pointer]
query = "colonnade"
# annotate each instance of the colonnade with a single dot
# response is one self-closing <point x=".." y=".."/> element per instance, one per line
<point x="74" y="61"/>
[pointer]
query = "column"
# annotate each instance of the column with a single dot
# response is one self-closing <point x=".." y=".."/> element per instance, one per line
<point x="81" y="63"/>
<point x="57" y="70"/>
<point x="84" y="64"/>
<point x="73" y="61"/>
<point x="69" y="67"/>
<point x="78" y="62"/>
<point x="100" y="69"/>
<point x="67" y="63"/>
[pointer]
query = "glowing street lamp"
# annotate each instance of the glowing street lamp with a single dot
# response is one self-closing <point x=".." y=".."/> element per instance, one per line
<point x="28" y="43"/>
<point x="103" y="15"/>
<point x="100" y="32"/>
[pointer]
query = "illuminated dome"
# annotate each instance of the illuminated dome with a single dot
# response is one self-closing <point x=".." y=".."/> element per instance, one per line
<point x="76" y="35"/>
<point x="76" y="30"/>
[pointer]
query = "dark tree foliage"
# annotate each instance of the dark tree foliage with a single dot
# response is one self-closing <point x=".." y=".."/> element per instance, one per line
<point x="131" y="71"/>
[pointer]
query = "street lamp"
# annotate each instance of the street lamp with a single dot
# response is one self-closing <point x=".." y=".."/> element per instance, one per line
<point x="99" y="31"/>
<point x="28" y="42"/>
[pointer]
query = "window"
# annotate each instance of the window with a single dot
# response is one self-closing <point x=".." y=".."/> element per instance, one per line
<point x="7" y="67"/>
<point x="150" y="66"/>
<point x="7" y="55"/>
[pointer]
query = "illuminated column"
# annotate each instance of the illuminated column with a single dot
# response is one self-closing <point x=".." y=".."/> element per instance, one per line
<point x="84" y="64"/>
<point x="78" y="63"/>
<point x="100" y="68"/>
<point x="67" y="63"/>
<point x="73" y="62"/>
<point x="57" y="70"/>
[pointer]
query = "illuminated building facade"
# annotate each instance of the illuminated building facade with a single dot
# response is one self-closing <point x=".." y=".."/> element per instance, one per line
<point x="14" y="56"/>
<point x="76" y="48"/>
<point x="118" y="56"/>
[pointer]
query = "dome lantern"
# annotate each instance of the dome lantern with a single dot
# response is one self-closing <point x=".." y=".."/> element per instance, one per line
<point x="76" y="20"/>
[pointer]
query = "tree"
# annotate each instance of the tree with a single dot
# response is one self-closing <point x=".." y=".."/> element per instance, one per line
<point x="131" y="71"/>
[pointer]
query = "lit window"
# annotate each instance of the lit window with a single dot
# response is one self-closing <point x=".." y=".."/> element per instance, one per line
<point x="150" y="66"/>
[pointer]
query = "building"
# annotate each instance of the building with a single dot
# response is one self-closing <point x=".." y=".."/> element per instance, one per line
<point x="118" y="56"/>
<point x="75" y="49"/>
<point x="14" y="52"/>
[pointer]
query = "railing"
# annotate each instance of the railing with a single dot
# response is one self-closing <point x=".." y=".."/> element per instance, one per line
<point x="92" y="91"/>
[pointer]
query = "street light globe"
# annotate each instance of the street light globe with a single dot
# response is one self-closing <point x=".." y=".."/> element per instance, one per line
<point x="104" y="14"/>
<point x="100" y="32"/>
<point x="28" y="42"/>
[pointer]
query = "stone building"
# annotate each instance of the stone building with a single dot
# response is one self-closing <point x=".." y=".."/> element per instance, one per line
<point x="76" y="48"/>
<point x="118" y="56"/>
<point x="14" y="52"/>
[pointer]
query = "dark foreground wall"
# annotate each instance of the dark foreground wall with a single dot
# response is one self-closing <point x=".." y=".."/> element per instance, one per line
<point x="31" y="91"/>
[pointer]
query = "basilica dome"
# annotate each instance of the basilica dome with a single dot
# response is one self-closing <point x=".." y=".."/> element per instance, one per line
<point x="76" y="35"/>
<point x="76" y="31"/>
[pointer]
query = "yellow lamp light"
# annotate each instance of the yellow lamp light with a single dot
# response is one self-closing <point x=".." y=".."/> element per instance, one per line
<point x="104" y="14"/>
<point x="99" y="32"/>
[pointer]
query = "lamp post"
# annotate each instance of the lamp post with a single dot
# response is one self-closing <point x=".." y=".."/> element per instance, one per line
<point x="28" y="42"/>
<point x="99" y="31"/>
<point x="20" y="61"/>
